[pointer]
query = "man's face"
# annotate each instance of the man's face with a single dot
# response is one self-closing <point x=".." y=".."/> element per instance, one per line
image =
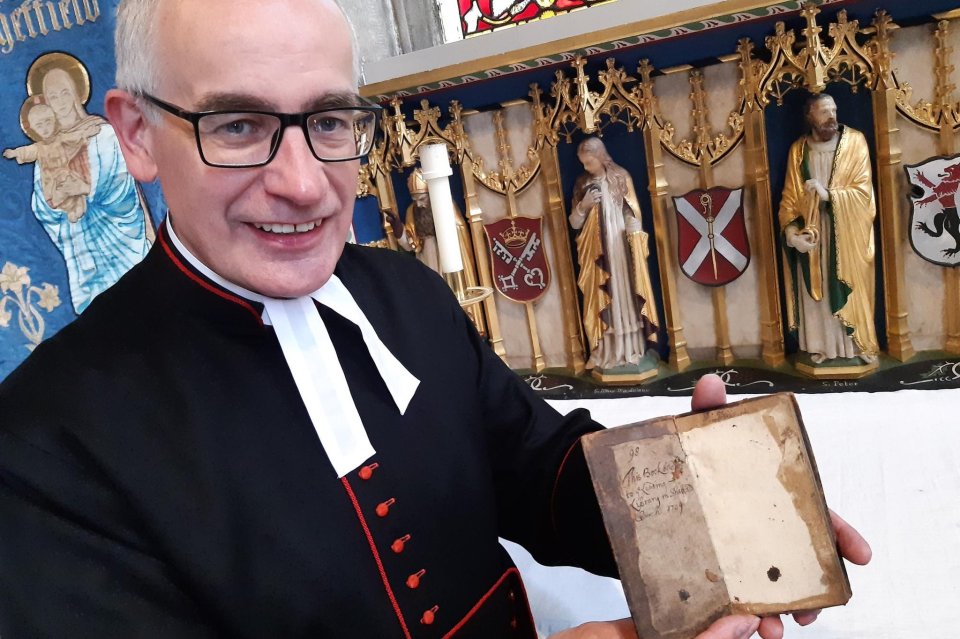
<point x="278" y="229"/>
<point x="421" y="199"/>
<point x="43" y="121"/>
<point x="823" y="119"/>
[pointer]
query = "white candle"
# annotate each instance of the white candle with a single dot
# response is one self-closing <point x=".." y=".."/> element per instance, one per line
<point x="435" y="165"/>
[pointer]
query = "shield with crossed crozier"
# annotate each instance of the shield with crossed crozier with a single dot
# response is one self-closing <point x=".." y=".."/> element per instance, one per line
<point x="712" y="235"/>
<point x="934" y="202"/>
<point x="520" y="270"/>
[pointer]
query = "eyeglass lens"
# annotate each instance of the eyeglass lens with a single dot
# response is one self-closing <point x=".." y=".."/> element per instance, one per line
<point x="242" y="138"/>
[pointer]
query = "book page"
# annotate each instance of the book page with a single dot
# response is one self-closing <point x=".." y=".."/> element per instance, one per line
<point x="747" y="469"/>
<point x="662" y="534"/>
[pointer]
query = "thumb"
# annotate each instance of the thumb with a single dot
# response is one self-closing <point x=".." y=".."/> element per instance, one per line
<point x="733" y="627"/>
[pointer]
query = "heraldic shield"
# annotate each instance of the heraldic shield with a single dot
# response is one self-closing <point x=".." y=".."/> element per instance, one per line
<point x="519" y="264"/>
<point x="934" y="200"/>
<point x="712" y="235"/>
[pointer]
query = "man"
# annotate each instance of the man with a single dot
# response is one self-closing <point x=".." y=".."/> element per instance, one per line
<point x="826" y="214"/>
<point x="205" y="482"/>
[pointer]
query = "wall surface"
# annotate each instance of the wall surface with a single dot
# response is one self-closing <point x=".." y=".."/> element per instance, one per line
<point x="388" y="28"/>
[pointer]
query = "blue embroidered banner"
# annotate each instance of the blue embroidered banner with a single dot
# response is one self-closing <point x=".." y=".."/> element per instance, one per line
<point x="72" y="220"/>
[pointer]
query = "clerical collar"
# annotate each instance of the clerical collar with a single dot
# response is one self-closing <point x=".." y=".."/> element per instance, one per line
<point x="314" y="364"/>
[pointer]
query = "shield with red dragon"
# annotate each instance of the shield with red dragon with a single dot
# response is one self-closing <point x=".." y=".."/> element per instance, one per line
<point x="712" y="244"/>
<point x="520" y="270"/>
<point x="934" y="200"/>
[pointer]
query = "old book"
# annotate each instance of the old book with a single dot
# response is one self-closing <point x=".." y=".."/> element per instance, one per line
<point x="716" y="513"/>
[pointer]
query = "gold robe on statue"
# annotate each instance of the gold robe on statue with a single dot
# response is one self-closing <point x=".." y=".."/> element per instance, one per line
<point x="598" y="289"/>
<point x="847" y="243"/>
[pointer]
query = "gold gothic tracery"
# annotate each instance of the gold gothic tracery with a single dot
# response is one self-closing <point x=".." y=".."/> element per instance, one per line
<point x="796" y="61"/>
<point x="943" y="111"/>
<point x="581" y="102"/>
<point x="811" y="64"/>
<point x="803" y="61"/>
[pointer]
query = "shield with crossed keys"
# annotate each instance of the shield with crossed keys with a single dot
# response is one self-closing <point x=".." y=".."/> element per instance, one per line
<point x="712" y="236"/>
<point x="520" y="270"/>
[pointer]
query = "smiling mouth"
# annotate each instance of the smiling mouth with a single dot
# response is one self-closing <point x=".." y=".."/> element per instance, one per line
<point x="286" y="229"/>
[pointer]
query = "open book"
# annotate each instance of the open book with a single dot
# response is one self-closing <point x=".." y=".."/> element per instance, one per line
<point x="715" y="513"/>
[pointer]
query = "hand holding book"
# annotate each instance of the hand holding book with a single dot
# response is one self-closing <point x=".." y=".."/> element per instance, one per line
<point x="674" y="493"/>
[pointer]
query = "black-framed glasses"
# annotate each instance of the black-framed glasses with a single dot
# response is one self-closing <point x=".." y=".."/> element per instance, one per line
<point x="244" y="139"/>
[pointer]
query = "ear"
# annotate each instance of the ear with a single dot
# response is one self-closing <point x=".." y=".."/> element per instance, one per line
<point x="133" y="131"/>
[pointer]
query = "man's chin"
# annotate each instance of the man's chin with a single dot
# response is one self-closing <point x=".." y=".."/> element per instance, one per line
<point x="289" y="285"/>
<point x="293" y="291"/>
<point x="827" y="133"/>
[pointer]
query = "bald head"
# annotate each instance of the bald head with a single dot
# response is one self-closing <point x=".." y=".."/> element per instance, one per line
<point x="138" y="22"/>
<point x="276" y="228"/>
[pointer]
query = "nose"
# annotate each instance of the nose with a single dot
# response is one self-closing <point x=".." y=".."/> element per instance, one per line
<point x="294" y="173"/>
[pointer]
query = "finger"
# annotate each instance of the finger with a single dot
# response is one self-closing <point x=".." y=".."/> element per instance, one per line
<point x="806" y="618"/>
<point x="709" y="392"/>
<point x="852" y="545"/>
<point x="771" y="628"/>
<point x="620" y="629"/>
<point x="734" y="627"/>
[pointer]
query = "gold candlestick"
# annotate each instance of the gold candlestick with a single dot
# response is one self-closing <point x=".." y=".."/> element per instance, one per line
<point x="466" y="295"/>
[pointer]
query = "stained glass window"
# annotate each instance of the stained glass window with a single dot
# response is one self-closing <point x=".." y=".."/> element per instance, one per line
<point x="478" y="16"/>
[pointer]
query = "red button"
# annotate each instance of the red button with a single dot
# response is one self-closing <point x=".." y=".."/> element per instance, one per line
<point x="429" y="616"/>
<point x="413" y="581"/>
<point x="367" y="471"/>
<point x="384" y="507"/>
<point x="398" y="544"/>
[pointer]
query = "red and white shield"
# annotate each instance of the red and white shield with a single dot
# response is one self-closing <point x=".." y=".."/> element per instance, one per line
<point x="934" y="201"/>
<point x="520" y="270"/>
<point x="712" y="235"/>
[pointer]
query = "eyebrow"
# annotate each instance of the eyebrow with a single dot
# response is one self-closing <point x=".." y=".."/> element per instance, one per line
<point x="247" y="102"/>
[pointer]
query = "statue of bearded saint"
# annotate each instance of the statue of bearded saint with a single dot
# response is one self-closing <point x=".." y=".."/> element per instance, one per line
<point x="619" y="313"/>
<point x="826" y="215"/>
<point x="417" y="235"/>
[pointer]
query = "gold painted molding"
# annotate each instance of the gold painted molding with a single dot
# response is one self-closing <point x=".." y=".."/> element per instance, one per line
<point x="889" y="170"/>
<point x="942" y="113"/>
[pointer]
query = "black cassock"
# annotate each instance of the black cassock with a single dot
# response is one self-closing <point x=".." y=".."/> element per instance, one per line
<point x="160" y="477"/>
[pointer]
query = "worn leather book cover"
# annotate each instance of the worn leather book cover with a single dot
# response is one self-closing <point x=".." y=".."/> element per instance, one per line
<point x="715" y="513"/>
